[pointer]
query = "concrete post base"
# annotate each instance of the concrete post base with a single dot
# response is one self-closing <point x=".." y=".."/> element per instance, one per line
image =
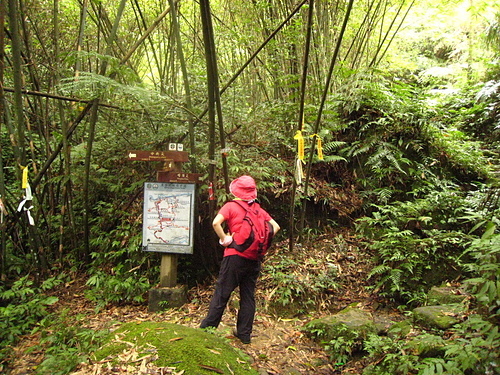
<point x="167" y="297"/>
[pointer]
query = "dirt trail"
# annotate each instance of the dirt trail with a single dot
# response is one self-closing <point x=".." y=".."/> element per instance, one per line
<point x="278" y="345"/>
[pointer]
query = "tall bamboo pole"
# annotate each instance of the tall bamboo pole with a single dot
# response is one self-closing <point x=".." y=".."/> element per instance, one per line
<point x="18" y="85"/>
<point x="81" y="34"/>
<point x="185" y="77"/>
<point x="2" y="178"/>
<point x="86" y="188"/>
<point x="253" y="56"/>
<point x="326" y="90"/>
<point x="207" y="37"/>
<point x="301" y="118"/>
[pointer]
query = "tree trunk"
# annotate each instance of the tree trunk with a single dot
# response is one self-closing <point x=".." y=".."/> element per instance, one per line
<point x="81" y="33"/>
<point x="326" y="90"/>
<point x="86" y="186"/>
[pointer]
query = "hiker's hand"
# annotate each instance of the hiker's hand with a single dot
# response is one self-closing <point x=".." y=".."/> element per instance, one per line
<point x="227" y="241"/>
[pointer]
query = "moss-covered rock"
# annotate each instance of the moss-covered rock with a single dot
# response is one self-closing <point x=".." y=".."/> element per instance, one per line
<point x="400" y="329"/>
<point x="441" y="316"/>
<point x="446" y="295"/>
<point x="351" y="323"/>
<point x="426" y="345"/>
<point x="170" y="345"/>
<point x="342" y="334"/>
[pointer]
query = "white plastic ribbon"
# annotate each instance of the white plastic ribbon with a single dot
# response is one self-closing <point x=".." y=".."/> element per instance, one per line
<point x="299" y="173"/>
<point x="27" y="197"/>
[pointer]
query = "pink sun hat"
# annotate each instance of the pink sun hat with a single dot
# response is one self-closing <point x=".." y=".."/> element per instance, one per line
<point x="244" y="187"/>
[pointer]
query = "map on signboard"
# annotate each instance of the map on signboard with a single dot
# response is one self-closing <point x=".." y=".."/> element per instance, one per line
<point x="168" y="217"/>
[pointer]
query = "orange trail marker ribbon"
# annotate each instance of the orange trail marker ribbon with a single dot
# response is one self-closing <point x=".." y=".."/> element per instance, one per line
<point x="300" y="144"/>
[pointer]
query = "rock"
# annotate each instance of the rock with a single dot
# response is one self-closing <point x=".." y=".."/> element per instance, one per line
<point x="400" y="329"/>
<point x="343" y="333"/>
<point x="350" y="323"/>
<point x="441" y="316"/>
<point x="446" y="295"/>
<point x="427" y="346"/>
<point x="382" y="323"/>
<point x="165" y="298"/>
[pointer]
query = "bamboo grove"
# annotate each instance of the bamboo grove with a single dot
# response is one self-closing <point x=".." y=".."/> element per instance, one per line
<point x="84" y="81"/>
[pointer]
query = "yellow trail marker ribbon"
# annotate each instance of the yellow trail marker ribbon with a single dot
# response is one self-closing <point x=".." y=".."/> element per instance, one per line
<point x="24" y="180"/>
<point x="319" y="145"/>
<point x="300" y="144"/>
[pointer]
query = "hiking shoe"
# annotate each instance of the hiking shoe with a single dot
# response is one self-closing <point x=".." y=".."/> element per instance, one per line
<point x="243" y="339"/>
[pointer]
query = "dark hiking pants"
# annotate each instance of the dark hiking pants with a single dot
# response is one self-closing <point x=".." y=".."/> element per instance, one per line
<point x="235" y="271"/>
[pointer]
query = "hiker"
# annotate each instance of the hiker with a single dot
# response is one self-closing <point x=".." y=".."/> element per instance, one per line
<point x="239" y="267"/>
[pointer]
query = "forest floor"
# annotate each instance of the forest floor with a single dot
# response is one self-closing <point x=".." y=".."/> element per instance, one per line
<point x="279" y="346"/>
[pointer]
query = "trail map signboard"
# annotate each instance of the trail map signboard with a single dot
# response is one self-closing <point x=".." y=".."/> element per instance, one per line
<point x="168" y="217"/>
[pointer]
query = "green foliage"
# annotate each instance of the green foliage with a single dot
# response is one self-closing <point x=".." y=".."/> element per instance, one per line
<point x="121" y="286"/>
<point x="297" y="283"/>
<point x="392" y="360"/>
<point x="22" y="306"/>
<point x="457" y="153"/>
<point x="346" y="342"/>
<point x="492" y="33"/>
<point x="396" y="142"/>
<point x="471" y="348"/>
<point x="120" y="270"/>
<point x="486" y="286"/>
<point x="66" y="343"/>
<point x="417" y="243"/>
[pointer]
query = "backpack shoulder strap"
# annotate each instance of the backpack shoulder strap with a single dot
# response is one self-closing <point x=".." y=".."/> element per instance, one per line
<point x="241" y="205"/>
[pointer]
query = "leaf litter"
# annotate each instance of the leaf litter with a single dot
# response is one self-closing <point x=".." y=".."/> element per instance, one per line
<point x="279" y="346"/>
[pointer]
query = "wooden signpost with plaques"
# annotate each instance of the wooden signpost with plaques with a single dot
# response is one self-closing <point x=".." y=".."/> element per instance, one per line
<point x="168" y="220"/>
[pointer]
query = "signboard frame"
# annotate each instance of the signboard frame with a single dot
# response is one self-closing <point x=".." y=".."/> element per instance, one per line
<point x="166" y="211"/>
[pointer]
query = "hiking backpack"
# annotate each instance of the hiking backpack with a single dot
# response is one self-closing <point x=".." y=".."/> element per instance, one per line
<point x="255" y="234"/>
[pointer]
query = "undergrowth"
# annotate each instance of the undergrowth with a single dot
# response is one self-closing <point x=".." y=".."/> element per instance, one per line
<point x="295" y="283"/>
<point x="419" y="243"/>
<point x="23" y="305"/>
<point x="65" y="342"/>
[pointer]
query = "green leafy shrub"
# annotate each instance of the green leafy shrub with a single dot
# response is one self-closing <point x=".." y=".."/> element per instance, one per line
<point x="66" y="343"/>
<point x="120" y="270"/>
<point x="297" y="282"/>
<point x="416" y="243"/>
<point x="388" y="356"/>
<point x="471" y="348"/>
<point x="122" y="286"/>
<point x="346" y="342"/>
<point x="486" y="286"/>
<point x="22" y="306"/>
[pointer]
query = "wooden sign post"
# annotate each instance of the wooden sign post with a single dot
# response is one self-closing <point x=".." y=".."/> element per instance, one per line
<point x="169" y="177"/>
